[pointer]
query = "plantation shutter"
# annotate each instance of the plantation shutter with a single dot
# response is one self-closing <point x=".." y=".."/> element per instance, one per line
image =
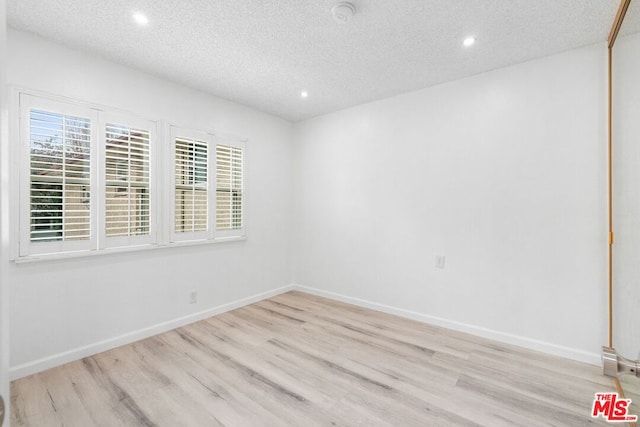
<point x="127" y="181"/>
<point x="88" y="182"/>
<point x="229" y="190"/>
<point x="57" y="183"/>
<point x="191" y="187"/>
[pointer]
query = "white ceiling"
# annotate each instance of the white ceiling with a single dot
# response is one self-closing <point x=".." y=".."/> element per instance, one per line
<point x="262" y="53"/>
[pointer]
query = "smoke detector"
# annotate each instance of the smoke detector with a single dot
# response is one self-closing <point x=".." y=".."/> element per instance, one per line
<point x="343" y="12"/>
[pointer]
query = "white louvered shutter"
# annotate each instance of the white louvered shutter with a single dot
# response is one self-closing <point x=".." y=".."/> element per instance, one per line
<point x="229" y="190"/>
<point x="57" y="213"/>
<point x="128" y="208"/>
<point x="60" y="154"/>
<point x="128" y="211"/>
<point x="191" y="186"/>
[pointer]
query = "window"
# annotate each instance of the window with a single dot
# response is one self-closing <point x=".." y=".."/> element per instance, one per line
<point x="58" y="180"/>
<point x="128" y="192"/>
<point x="196" y="156"/>
<point x="228" y="188"/>
<point x="62" y="209"/>
<point x="93" y="180"/>
<point x="191" y="186"/>
<point x="60" y="154"/>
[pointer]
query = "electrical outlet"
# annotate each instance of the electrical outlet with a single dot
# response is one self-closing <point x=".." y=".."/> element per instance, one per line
<point x="193" y="297"/>
<point x="439" y="261"/>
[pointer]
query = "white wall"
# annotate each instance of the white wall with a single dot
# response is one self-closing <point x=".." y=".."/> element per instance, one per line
<point x="503" y="173"/>
<point x="63" y="306"/>
<point x="626" y="201"/>
<point x="4" y="207"/>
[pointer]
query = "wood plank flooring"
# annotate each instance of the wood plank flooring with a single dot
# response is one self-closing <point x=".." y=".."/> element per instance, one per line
<point x="302" y="360"/>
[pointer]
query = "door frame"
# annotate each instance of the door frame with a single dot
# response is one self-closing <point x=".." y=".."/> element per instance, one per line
<point x="4" y="218"/>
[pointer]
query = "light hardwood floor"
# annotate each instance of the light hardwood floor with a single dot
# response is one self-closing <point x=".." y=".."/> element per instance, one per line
<point x="302" y="360"/>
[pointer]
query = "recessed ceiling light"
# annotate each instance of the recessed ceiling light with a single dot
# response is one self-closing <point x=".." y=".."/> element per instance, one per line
<point x="469" y="41"/>
<point x="140" y="18"/>
<point x="304" y="94"/>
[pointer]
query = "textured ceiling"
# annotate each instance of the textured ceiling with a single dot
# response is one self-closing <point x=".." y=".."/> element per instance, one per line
<point x="631" y="23"/>
<point x="262" y="53"/>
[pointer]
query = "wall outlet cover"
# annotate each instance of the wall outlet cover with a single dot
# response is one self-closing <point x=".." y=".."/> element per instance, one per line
<point x="193" y="297"/>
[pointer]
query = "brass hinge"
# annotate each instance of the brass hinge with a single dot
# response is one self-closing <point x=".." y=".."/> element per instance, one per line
<point x="611" y="237"/>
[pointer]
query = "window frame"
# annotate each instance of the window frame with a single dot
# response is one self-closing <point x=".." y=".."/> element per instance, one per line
<point x="27" y="247"/>
<point x="131" y="121"/>
<point x="161" y="181"/>
<point x="200" y="136"/>
<point x="212" y="140"/>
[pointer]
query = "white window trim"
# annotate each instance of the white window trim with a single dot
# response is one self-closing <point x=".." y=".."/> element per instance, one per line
<point x="163" y="165"/>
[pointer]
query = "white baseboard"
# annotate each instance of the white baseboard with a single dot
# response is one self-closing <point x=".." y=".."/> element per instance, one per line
<point x="45" y="363"/>
<point x="529" y="343"/>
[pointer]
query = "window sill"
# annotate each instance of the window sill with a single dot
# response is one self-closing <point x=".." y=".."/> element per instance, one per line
<point x="109" y="251"/>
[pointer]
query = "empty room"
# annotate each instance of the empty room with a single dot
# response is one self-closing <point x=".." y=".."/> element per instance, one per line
<point x="319" y="213"/>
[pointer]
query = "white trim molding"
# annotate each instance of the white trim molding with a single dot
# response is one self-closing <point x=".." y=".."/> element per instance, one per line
<point x="45" y="363"/>
<point x="528" y="343"/>
<point x="52" y="361"/>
